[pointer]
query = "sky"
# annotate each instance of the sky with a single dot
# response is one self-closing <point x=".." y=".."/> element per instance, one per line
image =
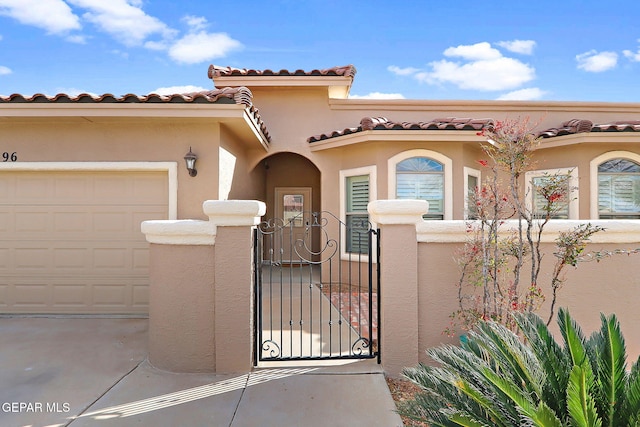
<point x="562" y="50"/>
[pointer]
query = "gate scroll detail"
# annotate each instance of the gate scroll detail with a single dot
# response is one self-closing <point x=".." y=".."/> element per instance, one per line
<point x="314" y="299"/>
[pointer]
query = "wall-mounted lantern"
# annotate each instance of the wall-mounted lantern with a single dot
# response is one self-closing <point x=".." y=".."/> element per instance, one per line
<point x="190" y="159"/>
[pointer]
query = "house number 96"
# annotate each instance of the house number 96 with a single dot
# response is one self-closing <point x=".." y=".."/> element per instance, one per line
<point x="9" y="157"/>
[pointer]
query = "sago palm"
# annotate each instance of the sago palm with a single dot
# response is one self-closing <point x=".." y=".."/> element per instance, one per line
<point x="496" y="378"/>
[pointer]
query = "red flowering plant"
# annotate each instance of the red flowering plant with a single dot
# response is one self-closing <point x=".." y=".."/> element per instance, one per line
<point x="500" y="264"/>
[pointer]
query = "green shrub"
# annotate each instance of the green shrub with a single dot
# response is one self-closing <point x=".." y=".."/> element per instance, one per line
<point x="496" y="378"/>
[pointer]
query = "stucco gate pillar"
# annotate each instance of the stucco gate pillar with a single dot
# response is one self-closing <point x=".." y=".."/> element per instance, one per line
<point x="200" y="292"/>
<point x="397" y="220"/>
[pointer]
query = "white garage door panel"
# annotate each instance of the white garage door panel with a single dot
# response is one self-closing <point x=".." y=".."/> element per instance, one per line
<point x="71" y="241"/>
<point x="98" y="294"/>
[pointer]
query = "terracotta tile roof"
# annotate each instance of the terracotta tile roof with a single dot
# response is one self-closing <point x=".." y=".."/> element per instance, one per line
<point x="229" y="95"/>
<point x="382" y="123"/>
<point x="253" y="111"/>
<point x="622" y="126"/>
<point x="218" y="71"/>
<point x="238" y="95"/>
<point x="574" y="126"/>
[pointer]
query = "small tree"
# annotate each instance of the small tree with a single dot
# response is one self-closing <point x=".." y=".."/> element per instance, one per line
<point x="494" y="283"/>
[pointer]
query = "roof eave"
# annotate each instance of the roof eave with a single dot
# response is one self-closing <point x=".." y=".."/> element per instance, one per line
<point x="120" y="110"/>
<point x="588" y="137"/>
<point x="396" y="135"/>
<point x="240" y="118"/>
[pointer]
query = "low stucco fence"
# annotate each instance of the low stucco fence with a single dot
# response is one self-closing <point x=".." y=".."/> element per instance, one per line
<point x="201" y="290"/>
<point x="609" y="286"/>
<point x="200" y="293"/>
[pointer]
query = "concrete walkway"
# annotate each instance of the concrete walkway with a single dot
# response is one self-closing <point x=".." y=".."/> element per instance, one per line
<point x="93" y="372"/>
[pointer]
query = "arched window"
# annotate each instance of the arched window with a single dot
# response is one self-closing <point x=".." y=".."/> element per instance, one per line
<point x="619" y="189"/>
<point x="422" y="178"/>
<point x="429" y="174"/>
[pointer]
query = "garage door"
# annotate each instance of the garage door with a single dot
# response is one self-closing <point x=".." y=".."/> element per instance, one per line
<point x="70" y="242"/>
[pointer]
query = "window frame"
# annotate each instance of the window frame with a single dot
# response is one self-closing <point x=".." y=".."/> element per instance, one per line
<point x="373" y="186"/>
<point x="574" y="194"/>
<point x="594" y="183"/>
<point x="447" y="164"/>
<point x="467" y="171"/>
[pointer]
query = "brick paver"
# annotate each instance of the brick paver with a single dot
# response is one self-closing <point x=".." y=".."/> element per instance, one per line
<point x="354" y="306"/>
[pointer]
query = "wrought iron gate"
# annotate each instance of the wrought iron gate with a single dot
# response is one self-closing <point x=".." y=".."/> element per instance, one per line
<point x="317" y="288"/>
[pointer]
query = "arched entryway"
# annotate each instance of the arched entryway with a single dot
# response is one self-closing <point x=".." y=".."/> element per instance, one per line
<point x="289" y="171"/>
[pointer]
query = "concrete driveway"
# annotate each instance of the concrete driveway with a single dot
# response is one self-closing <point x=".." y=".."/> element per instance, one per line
<point x="93" y="371"/>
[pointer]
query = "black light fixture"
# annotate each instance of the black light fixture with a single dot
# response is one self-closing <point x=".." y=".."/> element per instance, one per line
<point x="190" y="159"/>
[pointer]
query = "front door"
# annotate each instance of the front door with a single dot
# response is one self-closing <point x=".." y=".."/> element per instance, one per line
<point x="293" y="206"/>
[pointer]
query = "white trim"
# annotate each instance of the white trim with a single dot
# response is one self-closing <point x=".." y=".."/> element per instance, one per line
<point x="448" y="175"/>
<point x="373" y="195"/>
<point x="179" y="232"/>
<point x="620" y="231"/>
<point x="163" y="110"/>
<point x="593" y="172"/>
<point x="196" y="232"/>
<point x="467" y="171"/>
<point x="234" y="212"/>
<point x="170" y="167"/>
<point x="370" y="136"/>
<point x="574" y="203"/>
<point x="399" y="211"/>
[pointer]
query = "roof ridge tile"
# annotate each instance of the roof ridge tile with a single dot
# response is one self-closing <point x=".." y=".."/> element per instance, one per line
<point x="221" y="71"/>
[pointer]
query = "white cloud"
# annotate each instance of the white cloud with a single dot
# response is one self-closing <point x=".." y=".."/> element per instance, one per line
<point x="475" y="52"/>
<point x="634" y="56"/>
<point x="124" y="20"/>
<point x="76" y="38"/>
<point x="402" y="71"/>
<point x="54" y="16"/>
<point x="5" y="70"/>
<point x="524" y="47"/>
<point x="487" y="75"/>
<point x="157" y="45"/>
<point x="0" y="37"/>
<point x="482" y="68"/>
<point x="596" y="62"/>
<point x="196" y="23"/>
<point x="378" y="95"/>
<point x="172" y="90"/>
<point x="529" y="94"/>
<point x="198" y="47"/>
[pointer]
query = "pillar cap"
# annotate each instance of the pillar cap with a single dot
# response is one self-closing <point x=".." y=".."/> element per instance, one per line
<point x="397" y="211"/>
<point x="234" y="212"/>
<point x="179" y="232"/>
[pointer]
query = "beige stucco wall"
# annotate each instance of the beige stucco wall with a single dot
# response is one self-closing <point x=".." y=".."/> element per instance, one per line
<point x="314" y="113"/>
<point x="400" y="308"/>
<point x="234" y="295"/>
<point x="611" y="287"/>
<point x="120" y="140"/>
<point x="579" y="156"/>
<point x="293" y="114"/>
<point x="181" y="308"/>
<point x="247" y="182"/>
<point x="201" y="304"/>
<point x="377" y="154"/>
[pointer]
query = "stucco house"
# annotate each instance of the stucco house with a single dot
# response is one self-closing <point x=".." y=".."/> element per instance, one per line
<point x="79" y="174"/>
